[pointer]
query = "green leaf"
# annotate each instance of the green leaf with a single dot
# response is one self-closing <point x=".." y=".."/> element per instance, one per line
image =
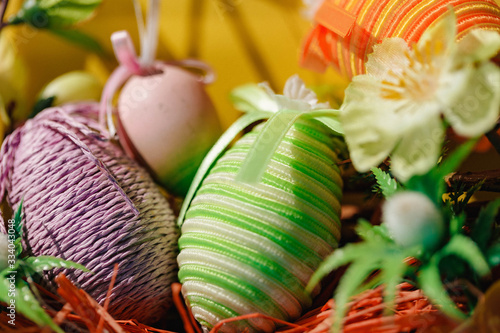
<point x="482" y="230"/>
<point x="432" y="183"/>
<point x="18" y="244"/>
<point x="455" y="159"/>
<point x="329" y="117"/>
<point x="41" y="105"/>
<point x="44" y="263"/>
<point x="55" y="14"/>
<point x="385" y="182"/>
<point x="355" y="275"/>
<point x="26" y="303"/>
<point x="371" y="233"/>
<point x="392" y="272"/>
<point x="79" y="38"/>
<point x="493" y="255"/>
<point x="457" y="223"/>
<point x="429" y="184"/>
<point x="69" y="12"/>
<point x="18" y="221"/>
<point x="340" y="257"/>
<point x="429" y="281"/>
<point x="467" y="250"/>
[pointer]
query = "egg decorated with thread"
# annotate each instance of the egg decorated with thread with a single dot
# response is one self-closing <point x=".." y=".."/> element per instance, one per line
<point x="85" y="200"/>
<point x="346" y="31"/>
<point x="251" y="247"/>
<point x="168" y="121"/>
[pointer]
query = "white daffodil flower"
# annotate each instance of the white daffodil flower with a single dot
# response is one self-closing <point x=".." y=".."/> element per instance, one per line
<point x="396" y="108"/>
<point x="295" y="96"/>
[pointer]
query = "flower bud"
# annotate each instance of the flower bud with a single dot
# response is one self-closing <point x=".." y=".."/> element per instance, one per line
<point x="413" y="219"/>
<point x="73" y="86"/>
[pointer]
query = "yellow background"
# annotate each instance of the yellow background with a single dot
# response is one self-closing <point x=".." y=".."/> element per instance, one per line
<point x="243" y="40"/>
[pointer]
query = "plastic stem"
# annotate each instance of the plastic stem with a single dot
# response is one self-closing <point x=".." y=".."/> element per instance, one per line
<point x="3" y="8"/>
<point x="150" y="42"/>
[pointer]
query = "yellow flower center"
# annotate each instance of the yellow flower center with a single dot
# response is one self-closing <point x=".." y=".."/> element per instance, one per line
<point x="418" y="80"/>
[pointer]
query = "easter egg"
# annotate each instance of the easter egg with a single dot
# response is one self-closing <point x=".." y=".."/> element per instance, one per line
<point x="168" y="121"/>
<point x="85" y="200"/>
<point x="252" y="248"/>
<point x="346" y="50"/>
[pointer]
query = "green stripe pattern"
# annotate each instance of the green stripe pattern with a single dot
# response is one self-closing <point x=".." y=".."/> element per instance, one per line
<point x="249" y="248"/>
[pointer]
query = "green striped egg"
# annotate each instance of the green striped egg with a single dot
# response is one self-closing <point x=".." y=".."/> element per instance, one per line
<point x="249" y="248"/>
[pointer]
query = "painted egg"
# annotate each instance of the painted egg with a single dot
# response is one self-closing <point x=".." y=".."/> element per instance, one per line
<point x="84" y="200"/>
<point x="168" y="121"/>
<point x="347" y="30"/>
<point x="248" y="248"/>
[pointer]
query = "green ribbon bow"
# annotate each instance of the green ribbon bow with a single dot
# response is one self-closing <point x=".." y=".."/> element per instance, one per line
<point x="258" y="105"/>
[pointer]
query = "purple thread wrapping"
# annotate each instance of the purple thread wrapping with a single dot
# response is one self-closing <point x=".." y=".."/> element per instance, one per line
<point x="86" y="201"/>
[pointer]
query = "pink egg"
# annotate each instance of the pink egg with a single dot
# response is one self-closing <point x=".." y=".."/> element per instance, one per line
<point x="168" y="122"/>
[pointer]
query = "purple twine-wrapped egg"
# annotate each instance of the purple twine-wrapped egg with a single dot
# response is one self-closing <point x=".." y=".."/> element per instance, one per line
<point x="84" y="200"/>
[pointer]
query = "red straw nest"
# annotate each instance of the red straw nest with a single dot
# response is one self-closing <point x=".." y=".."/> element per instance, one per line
<point x="412" y="313"/>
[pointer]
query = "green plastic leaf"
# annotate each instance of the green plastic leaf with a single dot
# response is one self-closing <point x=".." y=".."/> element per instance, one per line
<point x="18" y="244"/>
<point x="214" y="153"/>
<point x="392" y="273"/>
<point x="55" y="14"/>
<point x="41" y="105"/>
<point x="18" y="223"/>
<point x="482" y="230"/>
<point x="355" y="275"/>
<point x="339" y="257"/>
<point x="455" y="159"/>
<point x="467" y="250"/>
<point x="456" y="224"/>
<point x="493" y="255"/>
<point x="432" y="183"/>
<point x="26" y="303"/>
<point x="385" y="182"/>
<point x="371" y="233"/>
<point x="429" y="281"/>
<point x="44" y="263"/>
<point x="329" y="117"/>
<point x="69" y="12"/>
<point x="79" y="38"/>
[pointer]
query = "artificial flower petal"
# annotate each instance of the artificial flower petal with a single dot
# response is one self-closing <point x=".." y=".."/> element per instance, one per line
<point x="419" y="149"/>
<point x="479" y="45"/>
<point x="368" y="140"/>
<point x="439" y="40"/>
<point x="452" y="85"/>
<point x="388" y="60"/>
<point x="295" y="88"/>
<point x="478" y="108"/>
<point x="295" y="96"/>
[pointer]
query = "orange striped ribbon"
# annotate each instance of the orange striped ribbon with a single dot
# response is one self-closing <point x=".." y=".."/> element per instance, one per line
<point x="346" y="30"/>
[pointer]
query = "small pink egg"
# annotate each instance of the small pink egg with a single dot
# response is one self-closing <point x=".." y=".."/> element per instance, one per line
<point x="168" y="122"/>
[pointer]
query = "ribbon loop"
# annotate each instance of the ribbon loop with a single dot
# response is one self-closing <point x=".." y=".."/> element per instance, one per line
<point x="125" y="51"/>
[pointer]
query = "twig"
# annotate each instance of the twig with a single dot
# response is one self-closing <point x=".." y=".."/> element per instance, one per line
<point x="3" y="8"/>
<point x="491" y="179"/>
